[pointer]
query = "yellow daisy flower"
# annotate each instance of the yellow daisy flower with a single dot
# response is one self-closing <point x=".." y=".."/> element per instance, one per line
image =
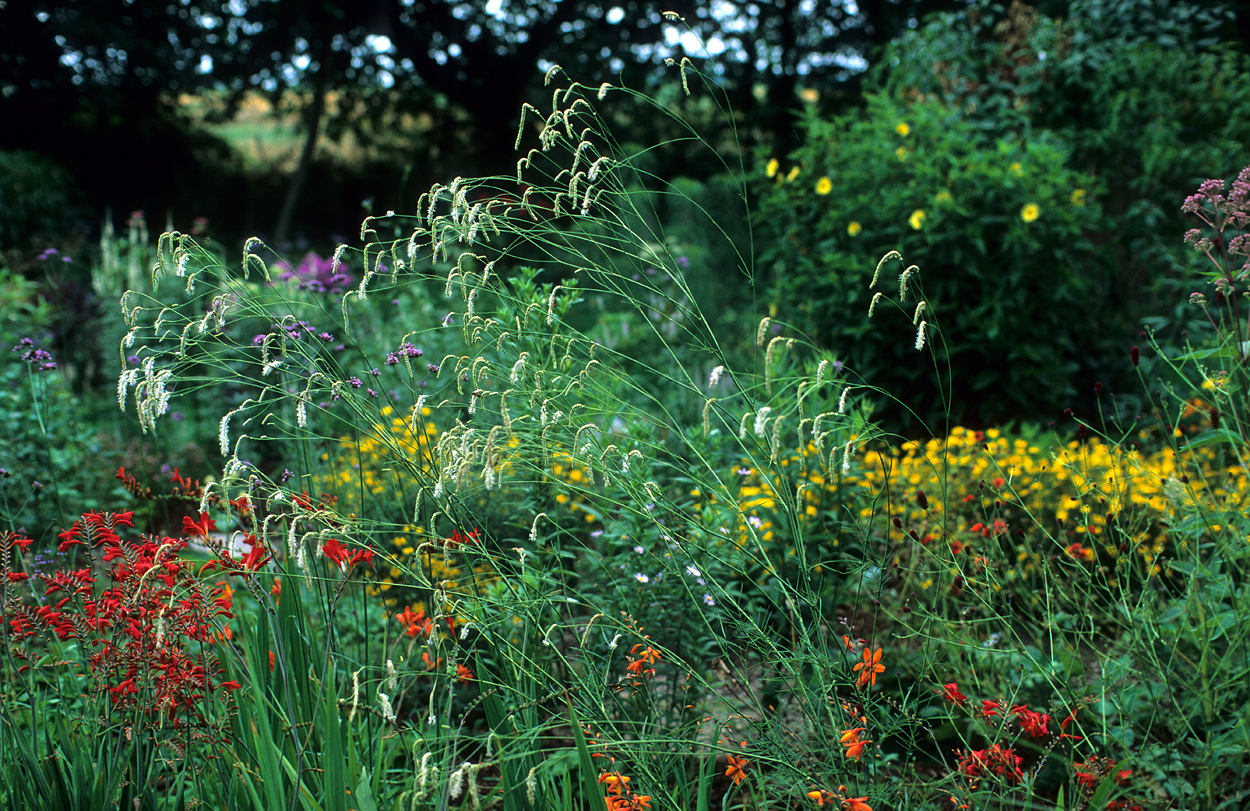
<point x="854" y="228"/>
<point x="1078" y="197"/>
<point x="824" y="186"/>
<point x="902" y="129"/>
<point x="771" y="169"/>
<point x="1030" y="212"/>
<point x="916" y="220"/>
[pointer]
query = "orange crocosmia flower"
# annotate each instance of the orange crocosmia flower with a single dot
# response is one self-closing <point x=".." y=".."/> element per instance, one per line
<point x="648" y="656"/>
<point x="463" y="674"/>
<point x="415" y="622"/>
<point x="856" y="804"/>
<point x="869" y="668"/>
<point x="820" y="795"/>
<point x="617" y="782"/>
<point x="854" y="746"/>
<point x="737" y="769"/>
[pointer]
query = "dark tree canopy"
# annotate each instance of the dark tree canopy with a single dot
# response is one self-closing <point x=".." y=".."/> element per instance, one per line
<point x="95" y="83"/>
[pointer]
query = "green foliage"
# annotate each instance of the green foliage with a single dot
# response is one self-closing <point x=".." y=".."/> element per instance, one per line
<point x="1144" y="95"/>
<point x="36" y="199"/>
<point x="995" y="226"/>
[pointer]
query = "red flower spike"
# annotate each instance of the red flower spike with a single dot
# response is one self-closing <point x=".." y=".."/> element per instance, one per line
<point x="951" y="693"/>
<point x="199" y="528"/>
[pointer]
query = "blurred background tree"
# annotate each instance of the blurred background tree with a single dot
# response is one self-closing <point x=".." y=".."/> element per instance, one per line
<point x="102" y="87"/>
<point x="280" y="117"/>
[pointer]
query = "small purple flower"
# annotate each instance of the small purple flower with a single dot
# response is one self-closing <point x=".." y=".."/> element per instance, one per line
<point x="286" y="476"/>
<point x="258" y="340"/>
<point x="325" y="336"/>
<point x="371" y="392"/>
<point x="683" y="262"/>
<point x="355" y="382"/>
<point x="449" y="319"/>
<point x="177" y="416"/>
<point x="391" y="359"/>
<point x="433" y="367"/>
<point x="133" y="360"/>
<point x="374" y="371"/>
<point x="639" y="550"/>
<point x="707" y="599"/>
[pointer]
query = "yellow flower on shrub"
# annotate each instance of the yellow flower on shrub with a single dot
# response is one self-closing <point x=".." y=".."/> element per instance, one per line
<point x="1030" y="212"/>
<point x="771" y="169"/>
<point x="1078" y="197"/>
<point x="916" y="220"/>
<point x="1016" y="169"/>
<point x="794" y="172"/>
<point x="854" y="228"/>
<point x="824" y="186"/>
<point x="901" y="152"/>
<point x="902" y="129"/>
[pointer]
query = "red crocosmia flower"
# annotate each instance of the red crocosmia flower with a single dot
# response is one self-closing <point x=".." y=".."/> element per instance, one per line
<point x="256" y="556"/>
<point x="990" y="708"/>
<point x="271" y="660"/>
<point x="998" y="760"/>
<point x="70" y="537"/>
<point x="458" y="538"/>
<point x="951" y="693"/>
<point x="345" y="560"/>
<point x="1033" y="723"/>
<point x="199" y="528"/>
<point x="463" y="674"/>
<point x="242" y="505"/>
<point x="737" y="770"/>
<point x="12" y="539"/>
<point x="17" y="577"/>
<point x="335" y="552"/>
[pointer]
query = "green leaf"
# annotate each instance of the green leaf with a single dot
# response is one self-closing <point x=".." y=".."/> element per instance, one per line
<point x="1218" y="436"/>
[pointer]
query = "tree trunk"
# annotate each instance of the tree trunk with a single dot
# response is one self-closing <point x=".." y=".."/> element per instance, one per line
<point x="312" y="123"/>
